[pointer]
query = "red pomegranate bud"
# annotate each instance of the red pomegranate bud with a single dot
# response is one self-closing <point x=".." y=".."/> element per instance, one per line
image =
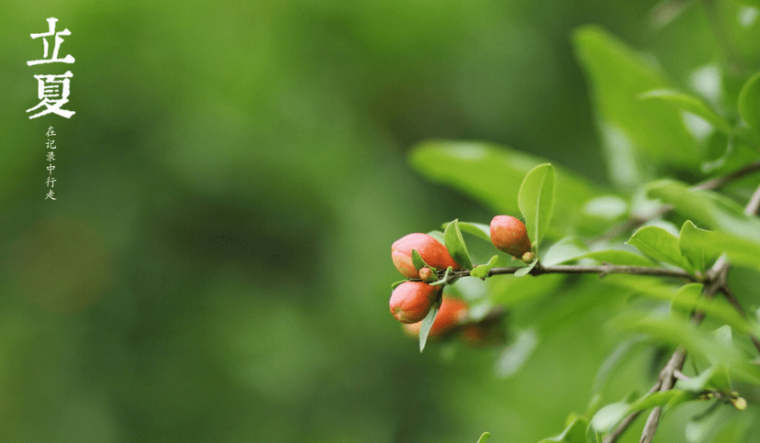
<point x="508" y="234"/>
<point x="431" y="250"/>
<point x="411" y="301"/>
<point x="453" y="313"/>
<point x="428" y="275"/>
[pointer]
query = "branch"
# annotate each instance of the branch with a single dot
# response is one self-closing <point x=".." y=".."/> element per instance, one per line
<point x="580" y="269"/>
<point x="716" y="279"/>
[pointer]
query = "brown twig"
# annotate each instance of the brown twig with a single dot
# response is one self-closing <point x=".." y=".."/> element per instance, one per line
<point x="581" y="269"/>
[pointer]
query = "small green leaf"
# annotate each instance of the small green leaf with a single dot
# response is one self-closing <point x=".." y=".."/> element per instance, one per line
<point x="575" y="432"/>
<point x="658" y="244"/>
<point x="417" y="261"/>
<point x="526" y="270"/>
<point x="749" y="102"/>
<point x="477" y="229"/>
<point x="606" y="418"/>
<point x="714" y="377"/>
<point x="427" y="323"/>
<point x="484" y="438"/>
<point x="396" y="285"/>
<point x="456" y="245"/>
<point x="442" y="281"/>
<point x="481" y="271"/>
<point x="438" y="235"/>
<point x="694" y="245"/>
<point x="690" y="104"/>
<point x="536" y="201"/>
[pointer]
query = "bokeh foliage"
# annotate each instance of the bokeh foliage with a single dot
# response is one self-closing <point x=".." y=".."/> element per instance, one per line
<point x="216" y="267"/>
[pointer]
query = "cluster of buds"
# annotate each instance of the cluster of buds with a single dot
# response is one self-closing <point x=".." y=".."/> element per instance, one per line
<point x="412" y="300"/>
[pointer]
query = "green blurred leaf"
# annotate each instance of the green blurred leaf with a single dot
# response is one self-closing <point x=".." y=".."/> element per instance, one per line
<point x="526" y="270"/>
<point x="516" y="354"/>
<point x="568" y="248"/>
<point x="658" y="244"/>
<point x="536" y="201"/>
<point x="481" y="271"/>
<point x="427" y="323"/>
<point x="690" y="104"/>
<point x="749" y="102"/>
<point x="685" y="300"/>
<point x="632" y="128"/>
<point x="609" y="416"/>
<point x="456" y="245"/>
<point x="606" y="418"/>
<point x="575" y="432"/>
<point x="621" y="354"/>
<point x="694" y="245"/>
<point x="477" y="229"/>
<point x="485" y="437"/>
<point x="697" y="342"/>
<point x="715" y="377"/>
<point x="493" y="175"/>
<point x="740" y="236"/>
<point x="418" y="262"/>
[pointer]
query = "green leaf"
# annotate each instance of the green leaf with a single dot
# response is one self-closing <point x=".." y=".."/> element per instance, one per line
<point x="484" y="438"/>
<point x="438" y="235"/>
<point x="698" y="342"/>
<point x="635" y="132"/>
<point x="706" y="207"/>
<point x="694" y="246"/>
<point x="569" y="248"/>
<point x="609" y="416"/>
<point x="685" y="300"/>
<point x="606" y="418"/>
<point x="715" y="377"/>
<point x="477" y="229"/>
<point x="516" y="354"/>
<point x="690" y="104"/>
<point x="658" y="244"/>
<point x="417" y="261"/>
<point x="492" y="175"/>
<point x="749" y="102"/>
<point x="427" y="323"/>
<point x="575" y="432"/>
<point x="481" y="271"/>
<point x="526" y="270"/>
<point x="536" y="201"/>
<point x="456" y="245"/>
<point x="740" y="236"/>
<point x="442" y="281"/>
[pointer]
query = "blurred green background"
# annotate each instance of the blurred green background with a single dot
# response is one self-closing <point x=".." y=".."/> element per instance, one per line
<point x="217" y="265"/>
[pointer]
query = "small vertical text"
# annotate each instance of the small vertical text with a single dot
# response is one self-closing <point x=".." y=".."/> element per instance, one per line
<point x="50" y="156"/>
